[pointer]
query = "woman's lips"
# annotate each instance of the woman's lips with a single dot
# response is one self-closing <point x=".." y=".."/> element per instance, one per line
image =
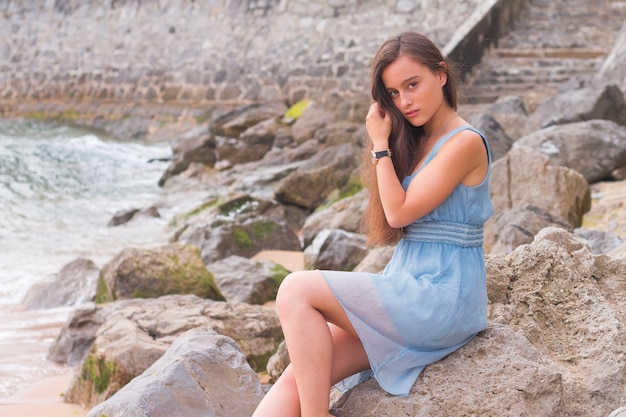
<point x="411" y="113"/>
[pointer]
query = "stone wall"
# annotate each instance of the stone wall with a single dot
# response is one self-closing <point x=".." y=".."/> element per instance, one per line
<point x="203" y="51"/>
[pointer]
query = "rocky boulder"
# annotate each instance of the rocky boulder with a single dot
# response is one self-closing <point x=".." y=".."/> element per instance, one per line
<point x="195" y="147"/>
<point x="75" y="283"/>
<point x="201" y="374"/>
<point x="499" y="141"/>
<point x="136" y="333"/>
<point x="554" y="340"/>
<point x="335" y="250"/>
<point x="530" y="192"/>
<point x="246" y="281"/>
<point x="232" y="123"/>
<point x="498" y="374"/>
<point x="593" y="148"/>
<point x="251" y="145"/>
<point x="148" y="273"/>
<point x="597" y="102"/>
<point x="242" y="236"/>
<point x="314" y="180"/>
<point x="343" y="214"/>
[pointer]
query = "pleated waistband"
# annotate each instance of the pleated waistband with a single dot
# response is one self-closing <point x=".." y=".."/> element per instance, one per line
<point x="459" y="234"/>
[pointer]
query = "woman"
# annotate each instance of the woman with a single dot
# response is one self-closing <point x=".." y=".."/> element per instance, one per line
<point x="429" y="189"/>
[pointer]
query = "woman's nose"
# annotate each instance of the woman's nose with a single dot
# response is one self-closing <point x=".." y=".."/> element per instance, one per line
<point x="405" y="100"/>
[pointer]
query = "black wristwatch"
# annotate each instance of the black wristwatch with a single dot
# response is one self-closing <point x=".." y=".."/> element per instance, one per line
<point x="380" y="154"/>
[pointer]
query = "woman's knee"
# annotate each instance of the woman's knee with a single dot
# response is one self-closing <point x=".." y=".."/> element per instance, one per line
<point x="290" y="291"/>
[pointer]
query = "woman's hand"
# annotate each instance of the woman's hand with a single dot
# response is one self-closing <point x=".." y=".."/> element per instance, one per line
<point x="378" y="126"/>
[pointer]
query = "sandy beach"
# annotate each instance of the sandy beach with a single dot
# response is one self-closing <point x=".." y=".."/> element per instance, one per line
<point x="27" y="336"/>
<point x="43" y="398"/>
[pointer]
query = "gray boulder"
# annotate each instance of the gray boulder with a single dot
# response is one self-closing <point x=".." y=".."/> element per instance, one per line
<point x="312" y="183"/>
<point x="335" y="250"/>
<point x="189" y="150"/>
<point x="201" y="374"/>
<point x="232" y="123"/>
<point x="243" y="237"/>
<point x="136" y="333"/>
<point x="525" y="180"/>
<point x="75" y="283"/>
<point x="246" y="281"/>
<point x="251" y="145"/>
<point x="125" y="216"/>
<point x="149" y="273"/>
<point x="593" y="148"/>
<point x="499" y="141"/>
<point x="598" y="102"/>
<point x="343" y="214"/>
<point x="499" y="373"/>
<point x="516" y="226"/>
<point x="554" y="340"/>
<point x="78" y="333"/>
<point x="567" y="302"/>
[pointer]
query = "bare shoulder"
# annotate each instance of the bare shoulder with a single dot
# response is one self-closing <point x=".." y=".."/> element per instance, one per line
<point x="466" y="142"/>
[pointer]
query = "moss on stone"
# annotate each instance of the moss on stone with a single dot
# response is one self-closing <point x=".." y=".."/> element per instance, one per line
<point x="241" y="238"/>
<point x="352" y="187"/>
<point x="102" y="292"/>
<point x="278" y="275"/>
<point x="238" y="206"/>
<point x="263" y="228"/>
<point x="194" y="212"/>
<point x="99" y="372"/>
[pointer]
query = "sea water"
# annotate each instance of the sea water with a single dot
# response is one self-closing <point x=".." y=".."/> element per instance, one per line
<point x="59" y="187"/>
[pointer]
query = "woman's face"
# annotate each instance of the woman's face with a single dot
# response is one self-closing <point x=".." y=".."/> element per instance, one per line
<point x="414" y="88"/>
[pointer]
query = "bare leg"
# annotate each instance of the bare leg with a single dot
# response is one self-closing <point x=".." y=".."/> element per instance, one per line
<point x="321" y="353"/>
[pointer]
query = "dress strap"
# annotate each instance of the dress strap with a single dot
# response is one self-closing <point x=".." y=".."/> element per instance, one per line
<point x="453" y="132"/>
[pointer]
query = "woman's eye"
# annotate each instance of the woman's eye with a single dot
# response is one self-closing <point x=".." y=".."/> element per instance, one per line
<point x="393" y="93"/>
<point x="412" y="85"/>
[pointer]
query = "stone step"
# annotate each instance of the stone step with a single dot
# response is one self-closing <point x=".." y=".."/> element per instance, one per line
<point x="554" y="43"/>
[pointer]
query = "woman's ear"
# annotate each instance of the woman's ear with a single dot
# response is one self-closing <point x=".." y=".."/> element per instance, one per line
<point x="443" y="73"/>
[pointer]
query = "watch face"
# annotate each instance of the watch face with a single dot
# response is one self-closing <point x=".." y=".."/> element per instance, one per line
<point x="373" y="157"/>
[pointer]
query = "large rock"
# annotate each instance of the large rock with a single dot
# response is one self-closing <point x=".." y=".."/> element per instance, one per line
<point x="232" y="123"/>
<point x="148" y="273"/>
<point x="313" y="182"/>
<point x="136" y="333"/>
<point x="511" y="114"/>
<point x="198" y="146"/>
<point x="75" y="283"/>
<point x="78" y="333"/>
<point x="499" y="141"/>
<point x="343" y="214"/>
<point x="594" y="148"/>
<point x="246" y="281"/>
<point x="201" y="374"/>
<point x="335" y="250"/>
<point x="251" y="145"/>
<point x="498" y="374"/>
<point x="555" y="340"/>
<point x="525" y="180"/>
<point x="568" y="303"/>
<point x="243" y="237"/>
<point x="598" y="102"/>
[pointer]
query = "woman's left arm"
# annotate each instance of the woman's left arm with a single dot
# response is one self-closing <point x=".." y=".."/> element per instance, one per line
<point x="463" y="159"/>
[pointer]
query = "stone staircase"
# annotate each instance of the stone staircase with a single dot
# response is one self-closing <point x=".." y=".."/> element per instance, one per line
<point x="554" y="45"/>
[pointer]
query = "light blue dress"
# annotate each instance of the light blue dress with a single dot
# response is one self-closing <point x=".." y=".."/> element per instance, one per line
<point x="431" y="298"/>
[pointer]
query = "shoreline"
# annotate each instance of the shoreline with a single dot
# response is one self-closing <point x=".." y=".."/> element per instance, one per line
<point x="44" y="397"/>
<point x="30" y="334"/>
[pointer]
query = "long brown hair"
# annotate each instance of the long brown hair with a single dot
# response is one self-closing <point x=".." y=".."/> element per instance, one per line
<point x="405" y="138"/>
